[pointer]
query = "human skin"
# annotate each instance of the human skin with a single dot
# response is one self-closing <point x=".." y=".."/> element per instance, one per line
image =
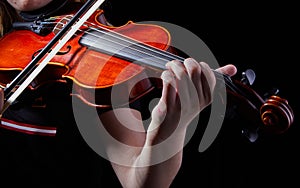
<point x="28" y="5"/>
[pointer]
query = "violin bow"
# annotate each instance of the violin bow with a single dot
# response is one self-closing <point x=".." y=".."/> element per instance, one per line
<point x="60" y="39"/>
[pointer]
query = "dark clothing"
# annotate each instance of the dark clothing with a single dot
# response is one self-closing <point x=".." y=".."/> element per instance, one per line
<point x="54" y="158"/>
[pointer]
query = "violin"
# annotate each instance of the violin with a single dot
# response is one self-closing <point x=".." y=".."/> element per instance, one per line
<point x="100" y="59"/>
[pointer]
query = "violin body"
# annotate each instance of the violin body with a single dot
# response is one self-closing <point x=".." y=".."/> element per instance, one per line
<point x="94" y="73"/>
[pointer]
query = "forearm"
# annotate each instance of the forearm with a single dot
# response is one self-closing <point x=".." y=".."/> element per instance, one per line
<point x="158" y="162"/>
<point x="149" y="158"/>
<point x="164" y="157"/>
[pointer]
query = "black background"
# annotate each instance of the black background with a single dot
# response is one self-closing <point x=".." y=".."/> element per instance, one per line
<point x="260" y="36"/>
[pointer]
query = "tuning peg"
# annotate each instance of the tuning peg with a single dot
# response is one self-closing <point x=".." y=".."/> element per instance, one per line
<point x="248" y="77"/>
<point x="271" y="92"/>
<point x="250" y="134"/>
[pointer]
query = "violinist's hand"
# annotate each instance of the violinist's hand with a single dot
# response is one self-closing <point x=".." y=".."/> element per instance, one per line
<point x="187" y="89"/>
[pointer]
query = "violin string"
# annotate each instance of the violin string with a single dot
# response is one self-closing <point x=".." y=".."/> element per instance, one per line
<point x="132" y="49"/>
<point x="128" y="42"/>
<point x="220" y="76"/>
<point x="132" y="41"/>
<point x="150" y="48"/>
<point x="127" y="39"/>
<point x="120" y="45"/>
<point x="166" y="56"/>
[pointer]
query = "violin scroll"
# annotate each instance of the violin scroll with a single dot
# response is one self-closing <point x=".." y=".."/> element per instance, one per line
<point x="276" y="114"/>
<point x="272" y="115"/>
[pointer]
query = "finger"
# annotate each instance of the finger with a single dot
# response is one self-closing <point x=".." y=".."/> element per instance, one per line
<point x="208" y="77"/>
<point x="168" y="90"/>
<point x="183" y="82"/>
<point x="228" y="69"/>
<point x="208" y="81"/>
<point x="193" y="69"/>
